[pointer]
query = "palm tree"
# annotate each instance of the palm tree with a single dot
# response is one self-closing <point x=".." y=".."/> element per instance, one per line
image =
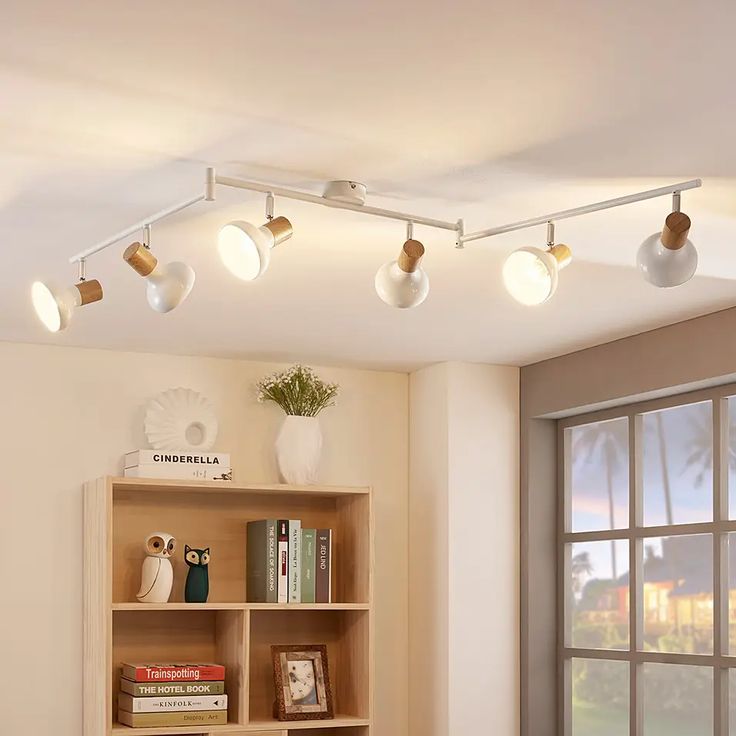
<point x="580" y="567"/>
<point x="701" y="455"/>
<point x="666" y="488"/>
<point x="607" y="441"/>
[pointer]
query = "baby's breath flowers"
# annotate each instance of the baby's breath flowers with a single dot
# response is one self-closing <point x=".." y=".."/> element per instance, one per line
<point x="298" y="391"/>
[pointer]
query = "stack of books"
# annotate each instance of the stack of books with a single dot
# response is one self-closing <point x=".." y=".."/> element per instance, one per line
<point x="288" y="564"/>
<point x="178" y="465"/>
<point x="153" y="695"/>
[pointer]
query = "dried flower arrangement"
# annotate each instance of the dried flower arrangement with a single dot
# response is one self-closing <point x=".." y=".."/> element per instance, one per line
<point x="298" y="391"/>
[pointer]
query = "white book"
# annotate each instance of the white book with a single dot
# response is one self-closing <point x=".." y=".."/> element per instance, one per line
<point x="295" y="561"/>
<point x="155" y="457"/>
<point x="181" y="472"/>
<point x="167" y="705"/>
<point x="282" y="560"/>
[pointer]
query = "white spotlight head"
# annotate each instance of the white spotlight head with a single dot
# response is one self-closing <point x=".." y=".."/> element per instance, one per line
<point x="668" y="258"/>
<point x="167" y="286"/>
<point x="246" y="249"/>
<point x="531" y="274"/>
<point x="403" y="283"/>
<point x="55" y="307"/>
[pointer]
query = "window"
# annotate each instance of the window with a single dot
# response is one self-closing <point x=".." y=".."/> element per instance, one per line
<point x="647" y="569"/>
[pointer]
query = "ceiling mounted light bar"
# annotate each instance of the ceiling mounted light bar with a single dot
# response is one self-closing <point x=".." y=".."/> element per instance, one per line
<point x="145" y="224"/>
<point x="339" y="204"/>
<point x="584" y="210"/>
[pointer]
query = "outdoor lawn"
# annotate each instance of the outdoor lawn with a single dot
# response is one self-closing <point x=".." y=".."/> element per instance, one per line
<point x="592" y="720"/>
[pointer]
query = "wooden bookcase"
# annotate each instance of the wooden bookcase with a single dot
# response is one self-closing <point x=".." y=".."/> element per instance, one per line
<point x="120" y="512"/>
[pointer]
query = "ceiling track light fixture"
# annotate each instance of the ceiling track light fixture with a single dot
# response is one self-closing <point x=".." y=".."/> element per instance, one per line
<point x="668" y="258"/>
<point x="55" y="307"/>
<point x="403" y="283"/>
<point x="245" y="249"/>
<point x="665" y="259"/>
<point x="531" y="274"/>
<point x="166" y="286"/>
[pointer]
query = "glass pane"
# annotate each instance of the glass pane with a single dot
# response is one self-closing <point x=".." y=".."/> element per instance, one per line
<point x="599" y="594"/>
<point x="678" y="700"/>
<point x="732" y="458"/>
<point x="599" y="475"/>
<point x="600" y="698"/>
<point x="677" y="595"/>
<point x="732" y="592"/>
<point x="677" y="465"/>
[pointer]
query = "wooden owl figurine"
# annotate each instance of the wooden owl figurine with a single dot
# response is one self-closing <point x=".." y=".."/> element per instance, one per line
<point x="157" y="575"/>
<point x="197" y="587"/>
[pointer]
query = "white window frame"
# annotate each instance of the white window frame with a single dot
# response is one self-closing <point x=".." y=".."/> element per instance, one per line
<point x="720" y="661"/>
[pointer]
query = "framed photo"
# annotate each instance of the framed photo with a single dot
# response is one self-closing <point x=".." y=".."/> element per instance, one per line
<point x="301" y="679"/>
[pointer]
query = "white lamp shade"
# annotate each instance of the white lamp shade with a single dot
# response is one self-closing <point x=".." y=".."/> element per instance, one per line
<point x="397" y="288"/>
<point x="168" y="286"/>
<point x="663" y="266"/>
<point x="530" y="275"/>
<point x="54" y="307"/>
<point x="245" y="249"/>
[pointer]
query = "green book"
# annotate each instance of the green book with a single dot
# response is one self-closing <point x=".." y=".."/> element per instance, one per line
<point x="175" y="718"/>
<point x="163" y="689"/>
<point x="260" y="562"/>
<point x="309" y="543"/>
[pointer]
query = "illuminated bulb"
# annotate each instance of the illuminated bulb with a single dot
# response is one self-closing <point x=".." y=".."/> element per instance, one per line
<point x="167" y="286"/>
<point x="668" y="258"/>
<point x="55" y="307"/>
<point x="403" y="283"/>
<point x="246" y="249"/>
<point x="530" y="274"/>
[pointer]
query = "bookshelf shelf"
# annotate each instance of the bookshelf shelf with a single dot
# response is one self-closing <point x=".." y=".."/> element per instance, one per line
<point x="120" y="512"/>
<point x="338" y="721"/>
<point x="270" y="727"/>
<point x="143" y="607"/>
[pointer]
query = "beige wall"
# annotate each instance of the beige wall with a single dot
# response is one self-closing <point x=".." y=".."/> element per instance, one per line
<point x="464" y="514"/>
<point x="68" y="415"/>
<point x="428" y="559"/>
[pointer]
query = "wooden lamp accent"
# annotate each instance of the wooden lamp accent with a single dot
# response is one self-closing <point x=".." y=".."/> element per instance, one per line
<point x="280" y="228"/>
<point x="410" y="256"/>
<point x="675" y="230"/>
<point x="562" y="254"/>
<point x="89" y="291"/>
<point x="140" y="259"/>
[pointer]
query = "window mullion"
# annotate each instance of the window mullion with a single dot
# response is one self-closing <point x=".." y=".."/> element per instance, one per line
<point x="720" y="566"/>
<point x="635" y="557"/>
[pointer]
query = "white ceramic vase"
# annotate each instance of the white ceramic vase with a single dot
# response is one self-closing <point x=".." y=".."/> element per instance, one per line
<point x="298" y="450"/>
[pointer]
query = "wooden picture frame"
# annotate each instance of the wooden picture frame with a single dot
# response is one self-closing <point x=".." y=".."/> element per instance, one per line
<point x="297" y="666"/>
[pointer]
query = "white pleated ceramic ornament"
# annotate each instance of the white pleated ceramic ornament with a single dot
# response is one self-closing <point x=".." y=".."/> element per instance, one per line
<point x="179" y="420"/>
<point x="298" y="450"/>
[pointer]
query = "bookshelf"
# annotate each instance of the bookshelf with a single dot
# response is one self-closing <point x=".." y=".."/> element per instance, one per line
<point x="120" y="512"/>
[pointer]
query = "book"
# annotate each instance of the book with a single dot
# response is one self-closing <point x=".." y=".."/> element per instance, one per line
<point x="166" y="705"/>
<point x="180" y="472"/>
<point x="180" y="718"/>
<point x="172" y="672"/>
<point x="295" y="561"/>
<point x="260" y="561"/>
<point x="154" y="689"/>
<point x="323" y="574"/>
<point x="309" y="542"/>
<point x="167" y="457"/>
<point x="282" y="561"/>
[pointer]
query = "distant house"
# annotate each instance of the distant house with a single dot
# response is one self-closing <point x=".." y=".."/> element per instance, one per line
<point x="677" y="590"/>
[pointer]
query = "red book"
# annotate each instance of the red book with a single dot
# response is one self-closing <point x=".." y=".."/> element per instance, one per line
<point x="173" y="672"/>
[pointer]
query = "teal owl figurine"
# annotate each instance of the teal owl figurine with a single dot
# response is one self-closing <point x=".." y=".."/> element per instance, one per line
<point x="197" y="587"/>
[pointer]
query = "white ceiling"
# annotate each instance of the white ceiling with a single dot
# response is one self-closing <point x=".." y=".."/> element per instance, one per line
<point x="484" y="110"/>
